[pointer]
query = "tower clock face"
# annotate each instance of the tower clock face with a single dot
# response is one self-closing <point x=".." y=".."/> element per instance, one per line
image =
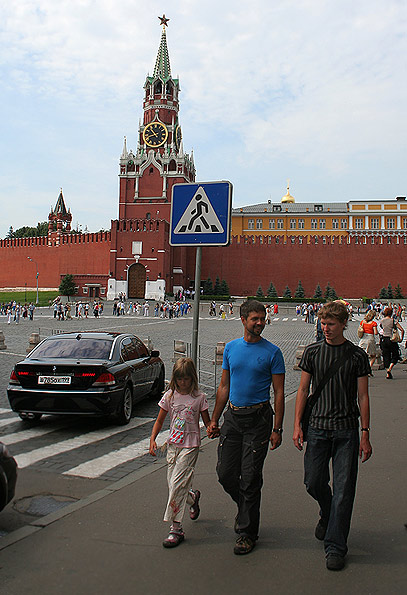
<point x="155" y="134"/>
<point x="178" y="137"/>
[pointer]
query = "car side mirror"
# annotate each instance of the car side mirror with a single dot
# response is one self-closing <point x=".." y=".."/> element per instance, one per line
<point x="155" y="353"/>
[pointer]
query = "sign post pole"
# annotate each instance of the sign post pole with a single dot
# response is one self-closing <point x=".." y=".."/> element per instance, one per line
<point x="200" y="216"/>
<point x="197" y="298"/>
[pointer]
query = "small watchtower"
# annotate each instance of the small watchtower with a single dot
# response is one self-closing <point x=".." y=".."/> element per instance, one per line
<point x="60" y="216"/>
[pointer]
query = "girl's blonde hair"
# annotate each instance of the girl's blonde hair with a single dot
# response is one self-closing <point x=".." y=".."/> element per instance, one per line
<point x="184" y="368"/>
<point x="370" y="315"/>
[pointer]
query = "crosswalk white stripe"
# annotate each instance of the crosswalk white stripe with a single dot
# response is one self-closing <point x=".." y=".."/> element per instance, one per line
<point x="285" y="319"/>
<point x="8" y="421"/>
<point x="96" y="467"/>
<point x="5" y="410"/>
<point x="26" y="459"/>
<point x="275" y="319"/>
<point x="294" y="319"/>
<point x="31" y="433"/>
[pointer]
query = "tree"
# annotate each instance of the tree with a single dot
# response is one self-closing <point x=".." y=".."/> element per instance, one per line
<point x="224" y="288"/>
<point x="383" y="294"/>
<point x="332" y="295"/>
<point x="398" y="293"/>
<point x="216" y="289"/>
<point x="287" y="292"/>
<point x="327" y="291"/>
<point x="299" y="292"/>
<point x="272" y="291"/>
<point x="259" y="292"/>
<point x="318" y="292"/>
<point x="29" y="232"/>
<point x="208" y="287"/>
<point x="389" y="292"/>
<point x="10" y="233"/>
<point x="67" y="286"/>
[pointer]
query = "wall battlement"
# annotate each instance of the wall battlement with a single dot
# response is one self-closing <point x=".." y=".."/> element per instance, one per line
<point x="54" y="239"/>
<point x="298" y="240"/>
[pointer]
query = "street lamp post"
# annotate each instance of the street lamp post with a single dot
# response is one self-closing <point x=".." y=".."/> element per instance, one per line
<point x="36" y="276"/>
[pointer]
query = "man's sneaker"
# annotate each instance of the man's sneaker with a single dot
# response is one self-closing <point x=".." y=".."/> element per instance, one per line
<point x="335" y="562"/>
<point x="244" y="545"/>
<point x="320" y="530"/>
<point x="174" y="538"/>
<point x="194" y="510"/>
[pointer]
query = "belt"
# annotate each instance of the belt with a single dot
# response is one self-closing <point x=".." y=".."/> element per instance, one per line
<point x="257" y="406"/>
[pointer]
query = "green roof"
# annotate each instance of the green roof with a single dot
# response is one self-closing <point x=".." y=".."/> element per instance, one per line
<point x="162" y="66"/>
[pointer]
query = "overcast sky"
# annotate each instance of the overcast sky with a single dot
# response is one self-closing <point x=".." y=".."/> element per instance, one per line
<point x="310" y="90"/>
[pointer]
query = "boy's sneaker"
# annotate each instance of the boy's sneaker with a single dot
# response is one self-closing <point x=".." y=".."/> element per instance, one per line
<point x="194" y="510"/>
<point x="335" y="562"/>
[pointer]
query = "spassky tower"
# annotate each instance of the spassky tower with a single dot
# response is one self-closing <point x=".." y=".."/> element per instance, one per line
<point x="142" y="263"/>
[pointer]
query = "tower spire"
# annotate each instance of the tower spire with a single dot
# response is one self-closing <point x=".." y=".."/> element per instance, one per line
<point x="125" y="153"/>
<point x="162" y="66"/>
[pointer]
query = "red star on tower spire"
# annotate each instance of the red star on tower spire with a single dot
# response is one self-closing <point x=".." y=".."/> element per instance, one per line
<point x="164" y="21"/>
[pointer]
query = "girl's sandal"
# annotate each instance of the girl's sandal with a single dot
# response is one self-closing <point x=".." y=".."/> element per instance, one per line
<point x="174" y="539"/>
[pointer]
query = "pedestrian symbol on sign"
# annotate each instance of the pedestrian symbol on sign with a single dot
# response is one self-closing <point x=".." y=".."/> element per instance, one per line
<point x="199" y="216"/>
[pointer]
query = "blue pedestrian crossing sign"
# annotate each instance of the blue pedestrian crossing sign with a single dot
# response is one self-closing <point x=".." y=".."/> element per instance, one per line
<point x="201" y="214"/>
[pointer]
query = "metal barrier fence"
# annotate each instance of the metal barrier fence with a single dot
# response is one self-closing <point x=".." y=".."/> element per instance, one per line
<point x="209" y="363"/>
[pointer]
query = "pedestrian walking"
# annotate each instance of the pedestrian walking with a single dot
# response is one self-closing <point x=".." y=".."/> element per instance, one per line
<point x="186" y="404"/>
<point x="250" y="365"/>
<point x="389" y="340"/>
<point x="339" y="373"/>
<point x="367" y="333"/>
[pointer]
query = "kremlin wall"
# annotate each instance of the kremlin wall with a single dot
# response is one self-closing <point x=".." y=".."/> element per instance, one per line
<point x="357" y="247"/>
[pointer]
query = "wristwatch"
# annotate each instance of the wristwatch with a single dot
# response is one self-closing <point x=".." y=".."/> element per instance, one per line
<point x="278" y="430"/>
<point x="365" y="429"/>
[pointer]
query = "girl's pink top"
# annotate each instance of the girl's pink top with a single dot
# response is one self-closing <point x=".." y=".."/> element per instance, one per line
<point x="185" y="411"/>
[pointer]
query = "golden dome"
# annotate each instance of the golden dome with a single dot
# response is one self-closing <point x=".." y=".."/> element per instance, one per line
<point x="287" y="197"/>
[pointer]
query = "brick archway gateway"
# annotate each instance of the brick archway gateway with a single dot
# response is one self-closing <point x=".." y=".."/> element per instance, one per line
<point x="136" y="281"/>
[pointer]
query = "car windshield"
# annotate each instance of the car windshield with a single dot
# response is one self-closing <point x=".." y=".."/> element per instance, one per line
<point x="72" y="348"/>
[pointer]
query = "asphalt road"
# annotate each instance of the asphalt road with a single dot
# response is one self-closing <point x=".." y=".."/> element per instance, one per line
<point x="69" y="458"/>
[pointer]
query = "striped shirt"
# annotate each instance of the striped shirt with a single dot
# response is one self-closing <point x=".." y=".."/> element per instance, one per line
<point x="337" y="407"/>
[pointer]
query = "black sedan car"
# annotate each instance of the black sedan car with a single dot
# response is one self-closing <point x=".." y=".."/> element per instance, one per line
<point x="8" y="476"/>
<point x="89" y="373"/>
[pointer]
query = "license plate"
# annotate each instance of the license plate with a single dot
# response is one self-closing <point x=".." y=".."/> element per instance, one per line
<point x="54" y="380"/>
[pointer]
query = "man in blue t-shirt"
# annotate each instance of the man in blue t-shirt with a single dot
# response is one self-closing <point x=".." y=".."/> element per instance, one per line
<point x="251" y="365"/>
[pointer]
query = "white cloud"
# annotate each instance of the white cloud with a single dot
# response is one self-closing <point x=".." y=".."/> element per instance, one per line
<point x="270" y="90"/>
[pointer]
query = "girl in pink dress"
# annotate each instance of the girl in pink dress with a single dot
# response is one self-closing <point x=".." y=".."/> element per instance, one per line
<point x="186" y="404"/>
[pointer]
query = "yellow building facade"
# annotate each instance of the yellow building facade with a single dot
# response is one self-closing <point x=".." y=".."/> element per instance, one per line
<point x="355" y="218"/>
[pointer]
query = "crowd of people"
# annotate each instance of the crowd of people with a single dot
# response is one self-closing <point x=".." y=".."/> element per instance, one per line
<point x="77" y="309"/>
<point x="388" y="330"/>
<point x="16" y="311"/>
<point x="166" y="309"/>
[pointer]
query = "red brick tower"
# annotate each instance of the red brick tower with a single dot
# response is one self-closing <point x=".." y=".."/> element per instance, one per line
<point x="142" y="263"/>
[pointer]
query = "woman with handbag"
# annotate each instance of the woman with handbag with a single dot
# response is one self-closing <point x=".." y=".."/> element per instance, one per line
<point x="367" y="332"/>
<point x="389" y="340"/>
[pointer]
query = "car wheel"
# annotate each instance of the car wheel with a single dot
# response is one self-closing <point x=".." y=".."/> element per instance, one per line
<point x="158" y="386"/>
<point x="30" y="417"/>
<point x="126" y="407"/>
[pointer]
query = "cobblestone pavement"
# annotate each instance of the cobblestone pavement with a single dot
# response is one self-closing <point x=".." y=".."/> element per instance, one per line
<point x="66" y="445"/>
